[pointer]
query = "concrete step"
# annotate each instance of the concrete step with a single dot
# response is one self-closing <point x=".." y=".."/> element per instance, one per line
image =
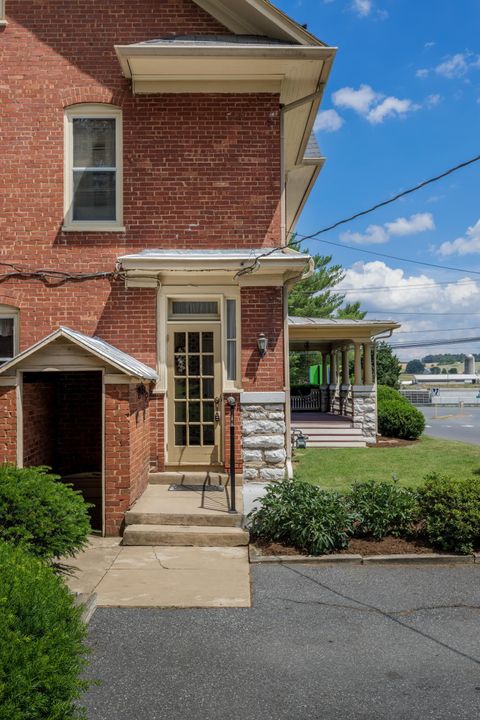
<point x="180" y="535"/>
<point x="170" y="477"/>
<point x="178" y="518"/>
<point x="335" y="443"/>
<point x="332" y="432"/>
<point x="322" y="426"/>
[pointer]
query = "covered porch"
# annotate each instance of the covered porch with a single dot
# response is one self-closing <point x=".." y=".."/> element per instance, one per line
<point x="339" y="408"/>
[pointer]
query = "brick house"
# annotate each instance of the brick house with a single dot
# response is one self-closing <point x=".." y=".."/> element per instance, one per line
<point x="155" y="156"/>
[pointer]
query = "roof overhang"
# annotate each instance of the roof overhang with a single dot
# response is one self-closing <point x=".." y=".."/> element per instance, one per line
<point x="318" y="333"/>
<point x="106" y="354"/>
<point x="257" y="17"/>
<point x="294" y="72"/>
<point x="263" y="266"/>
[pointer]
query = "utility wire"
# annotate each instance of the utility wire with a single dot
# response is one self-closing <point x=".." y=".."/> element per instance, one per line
<point x="411" y="332"/>
<point x="432" y="343"/>
<point x="431" y="285"/>
<point x="393" y="199"/>
<point x="256" y="263"/>
<point x="401" y="312"/>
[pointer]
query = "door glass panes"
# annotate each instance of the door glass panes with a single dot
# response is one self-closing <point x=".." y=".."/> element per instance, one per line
<point x="182" y="308"/>
<point x="94" y="169"/>
<point x="193" y="366"/>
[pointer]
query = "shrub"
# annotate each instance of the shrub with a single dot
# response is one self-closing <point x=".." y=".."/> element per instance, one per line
<point x="387" y="394"/>
<point x="399" y="419"/>
<point x="450" y="509"/>
<point x="382" y="508"/>
<point x="45" y="515"/>
<point x="42" y="650"/>
<point x="302" y="515"/>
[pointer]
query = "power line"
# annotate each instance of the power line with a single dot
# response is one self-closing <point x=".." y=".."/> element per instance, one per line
<point x="401" y="312"/>
<point x="431" y="285"/>
<point x="391" y="257"/>
<point x="411" y="332"/>
<point x="393" y="199"/>
<point x="433" y="343"/>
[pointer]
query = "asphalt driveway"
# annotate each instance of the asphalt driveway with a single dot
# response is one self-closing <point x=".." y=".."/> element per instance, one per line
<point x="369" y="643"/>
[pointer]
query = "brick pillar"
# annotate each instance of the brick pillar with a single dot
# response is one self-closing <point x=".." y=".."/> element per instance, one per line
<point x="8" y="425"/>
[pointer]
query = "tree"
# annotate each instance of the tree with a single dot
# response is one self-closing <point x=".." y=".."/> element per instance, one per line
<point x="315" y="297"/>
<point x="453" y="371"/>
<point x="388" y="366"/>
<point x="415" y="367"/>
<point x="436" y="370"/>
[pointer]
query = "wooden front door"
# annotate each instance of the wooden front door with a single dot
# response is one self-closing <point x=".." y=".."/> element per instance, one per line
<point x="194" y="394"/>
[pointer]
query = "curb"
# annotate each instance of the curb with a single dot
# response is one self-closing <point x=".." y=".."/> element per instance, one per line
<point x="88" y="602"/>
<point x="351" y="559"/>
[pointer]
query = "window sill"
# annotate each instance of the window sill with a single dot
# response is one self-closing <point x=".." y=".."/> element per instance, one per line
<point x="3" y="23"/>
<point x="93" y="227"/>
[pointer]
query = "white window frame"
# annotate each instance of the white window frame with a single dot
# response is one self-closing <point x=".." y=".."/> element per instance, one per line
<point x="92" y="111"/>
<point x="3" y="17"/>
<point x="10" y="313"/>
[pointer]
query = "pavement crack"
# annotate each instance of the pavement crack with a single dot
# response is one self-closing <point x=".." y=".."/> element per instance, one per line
<point x="383" y="613"/>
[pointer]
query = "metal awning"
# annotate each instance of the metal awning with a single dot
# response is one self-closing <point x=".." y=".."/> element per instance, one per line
<point x="319" y="332"/>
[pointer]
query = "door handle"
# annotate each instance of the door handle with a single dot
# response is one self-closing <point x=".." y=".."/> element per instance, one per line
<point x="217" y="409"/>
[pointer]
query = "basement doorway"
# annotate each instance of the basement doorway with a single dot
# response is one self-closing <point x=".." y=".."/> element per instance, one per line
<point x="63" y="429"/>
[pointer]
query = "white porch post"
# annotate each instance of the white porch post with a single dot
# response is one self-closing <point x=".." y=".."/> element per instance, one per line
<point x="345" y="367"/>
<point x="358" y="364"/>
<point x="367" y="363"/>
<point x="324" y="368"/>
<point x="333" y="367"/>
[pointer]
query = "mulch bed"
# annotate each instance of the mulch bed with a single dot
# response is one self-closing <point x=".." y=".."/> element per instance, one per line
<point x="358" y="546"/>
<point x="391" y="442"/>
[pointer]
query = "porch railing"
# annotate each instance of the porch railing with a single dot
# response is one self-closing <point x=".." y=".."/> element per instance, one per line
<point x="312" y="401"/>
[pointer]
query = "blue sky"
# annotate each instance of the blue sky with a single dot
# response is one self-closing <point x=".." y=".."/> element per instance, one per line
<point x="402" y="105"/>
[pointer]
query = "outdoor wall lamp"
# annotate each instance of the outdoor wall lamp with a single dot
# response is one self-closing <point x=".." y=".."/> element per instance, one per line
<point x="262" y="344"/>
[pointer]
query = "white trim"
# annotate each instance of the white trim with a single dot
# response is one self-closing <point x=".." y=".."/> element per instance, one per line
<point x="9" y="312"/>
<point x="3" y="19"/>
<point x="263" y="398"/>
<point x="19" y="398"/>
<point x="92" y="110"/>
<point x="8" y="381"/>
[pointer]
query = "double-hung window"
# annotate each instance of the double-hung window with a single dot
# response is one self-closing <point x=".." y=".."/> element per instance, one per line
<point x="231" y="313"/>
<point x="93" y="168"/>
<point x="8" y="333"/>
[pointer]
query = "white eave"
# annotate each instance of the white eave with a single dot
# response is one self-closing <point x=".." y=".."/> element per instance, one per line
<point x="308" y="329"/>
<point x="151" y="267"/>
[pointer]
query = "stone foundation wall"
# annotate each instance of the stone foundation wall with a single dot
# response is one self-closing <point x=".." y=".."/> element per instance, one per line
<point x="263" y="442"/>
<point x="365" y="410"/>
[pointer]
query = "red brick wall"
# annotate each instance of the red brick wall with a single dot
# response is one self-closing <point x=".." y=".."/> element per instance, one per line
<point x="127" y="451"/>
<point x="39" y="424"/>
<point x="262" y="311"/>
<point x="8" y="425"/>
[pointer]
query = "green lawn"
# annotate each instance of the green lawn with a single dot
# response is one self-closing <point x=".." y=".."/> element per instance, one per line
<point x="337" y="468"/>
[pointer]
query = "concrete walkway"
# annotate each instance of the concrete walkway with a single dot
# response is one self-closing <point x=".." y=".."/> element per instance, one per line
<point x="161" y="577"/>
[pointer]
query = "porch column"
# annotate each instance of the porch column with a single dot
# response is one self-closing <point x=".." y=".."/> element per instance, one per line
<point x="345" y="367"/>
<point x="324" y="368"/>
<point x="333" y="367"/>
<point x="367" y="363"/>
<point x="358" y="364"/>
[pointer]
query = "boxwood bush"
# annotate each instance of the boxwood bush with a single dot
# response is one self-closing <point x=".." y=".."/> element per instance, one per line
<point x="400" y="419"/>
<point x="46" y="516"/>
<point x="42" y="652"/>
<point x="382" y="508"/>
<point x="450" y="509"/>
<point x="385" y="393"/>
<point x="296" y="513"/>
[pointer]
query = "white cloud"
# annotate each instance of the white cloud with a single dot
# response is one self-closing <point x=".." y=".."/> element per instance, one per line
<point x="410" y="226"/>
<point x="373" y="235"/>
<point x="359" y="100"/>
<point x="429" y="45"/>
<point x="362" y="7"/>
<point x="371" y="105"/>
<point x="328" y="121"/>
<point x="390" y="107"/>
<point x="453" y="66"/>
<point x="413" y="293"/>
<point x="378" y="234"/>
<point x="433" y="100"/>
<point x="468" y="245"/>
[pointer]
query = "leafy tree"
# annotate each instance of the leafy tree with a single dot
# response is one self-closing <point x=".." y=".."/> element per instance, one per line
<point x="453" y="371"/>
<point x="315" y="297"/>
<point x="415" y="367"/>
<point x="444" y="371"/>
<point x="388" y="366"/>
<point x="435" y="370"/>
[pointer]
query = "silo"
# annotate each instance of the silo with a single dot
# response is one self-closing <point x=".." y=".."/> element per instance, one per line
<point x="469" y="365"/>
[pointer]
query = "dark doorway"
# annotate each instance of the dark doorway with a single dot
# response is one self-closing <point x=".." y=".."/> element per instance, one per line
<point x="62" y="428"/>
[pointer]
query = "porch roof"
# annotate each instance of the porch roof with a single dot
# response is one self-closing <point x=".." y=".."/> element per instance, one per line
<point x="324" y="330"/>
<point x="95" y="346"/>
